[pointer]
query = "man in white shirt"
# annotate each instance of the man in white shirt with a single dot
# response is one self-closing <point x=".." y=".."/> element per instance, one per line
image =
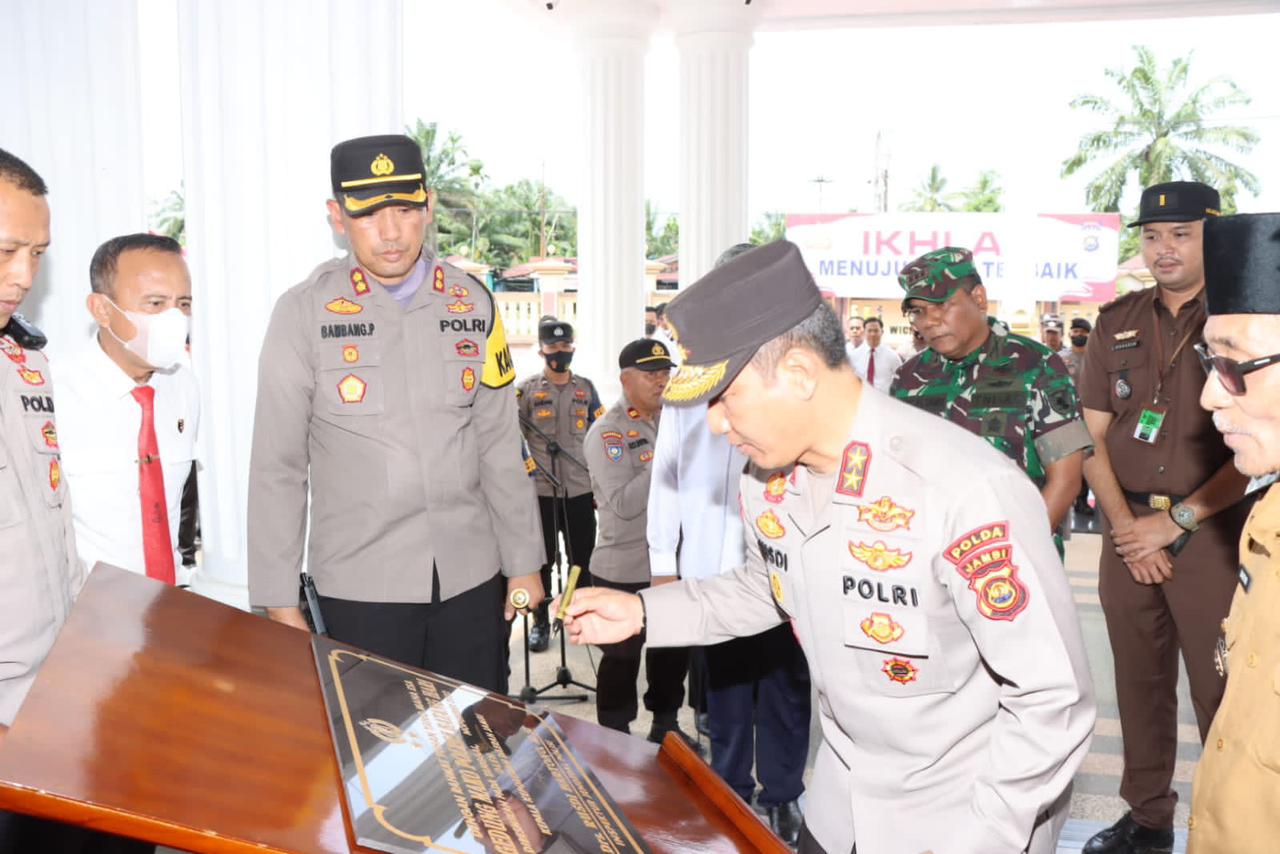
<point x="874" y="362"/>
<point x="757" y="687"/>
<point x="128" y="408"/>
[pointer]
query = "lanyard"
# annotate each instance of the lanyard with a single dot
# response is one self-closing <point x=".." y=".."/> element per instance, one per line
<point x="1162" y="367"/>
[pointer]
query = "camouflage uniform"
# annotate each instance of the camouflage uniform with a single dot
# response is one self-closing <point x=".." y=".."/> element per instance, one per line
<point x="1010" y="390"/>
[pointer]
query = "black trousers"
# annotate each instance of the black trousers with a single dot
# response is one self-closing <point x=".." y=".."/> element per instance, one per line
<point x="578" y="525"/>
<point x="464" y="638"/>
<point x="24" y="834"/>
<point x="808" y="845"/>
<point x="616" y="705"/>
<point x="189" y="520"/>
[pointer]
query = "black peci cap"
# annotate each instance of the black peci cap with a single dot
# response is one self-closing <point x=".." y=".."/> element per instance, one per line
<point x="551" y="330"/>
<point x="372" y="172"/>
<point x="1242" y="264"/>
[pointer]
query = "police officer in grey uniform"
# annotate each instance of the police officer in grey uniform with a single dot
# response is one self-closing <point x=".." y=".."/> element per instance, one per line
<point x="39" y="571"/>
<point x="559" y="406"/>
<point x="384" y="395"/>
<point x="913" y="561"/>
<point x="619" y="452"/>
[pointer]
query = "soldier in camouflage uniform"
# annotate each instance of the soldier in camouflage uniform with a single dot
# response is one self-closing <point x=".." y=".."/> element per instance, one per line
<point x="1010" y="390"/>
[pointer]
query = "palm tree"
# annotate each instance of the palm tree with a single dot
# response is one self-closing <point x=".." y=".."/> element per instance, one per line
<point x="929" y="196"/>
<point x="1160" y="130"/>
<point x="170" y="216"/>
<point x="983" y="196"/>
<point x="660" y="239"/>
<point x="770" y="228"/>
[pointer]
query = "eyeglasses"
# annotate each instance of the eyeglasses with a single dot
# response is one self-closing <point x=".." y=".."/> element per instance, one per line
<point x="1230" y="372"/>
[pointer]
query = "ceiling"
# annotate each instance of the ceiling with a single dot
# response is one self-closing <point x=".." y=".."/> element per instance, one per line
<point x="820" y="14"/>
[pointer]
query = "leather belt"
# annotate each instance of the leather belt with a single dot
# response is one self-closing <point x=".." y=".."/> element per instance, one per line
<point x="1154" y="500"/>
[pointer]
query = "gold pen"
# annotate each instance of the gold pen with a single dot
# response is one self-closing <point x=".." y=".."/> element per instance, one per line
<point x="566" y="598"/>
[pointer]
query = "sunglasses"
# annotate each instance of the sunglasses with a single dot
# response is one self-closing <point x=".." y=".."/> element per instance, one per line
<point x="1230" y="372"/>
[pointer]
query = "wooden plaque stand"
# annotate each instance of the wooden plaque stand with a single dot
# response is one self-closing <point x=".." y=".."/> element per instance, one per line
<point x="168" y="717"/>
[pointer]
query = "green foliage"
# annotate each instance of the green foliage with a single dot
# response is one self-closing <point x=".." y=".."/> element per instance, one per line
<point x="659" y="242"/>
<point x="170" y="216"/>
<point x="983" y="196"/>
<point x="1161" y="128"/>
<point x="930" y="196"/>
<point x="770" y="227"/>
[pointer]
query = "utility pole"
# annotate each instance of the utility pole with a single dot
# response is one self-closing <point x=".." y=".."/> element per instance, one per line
<point x="882" y="173"/>
<point x="820" y="181"/>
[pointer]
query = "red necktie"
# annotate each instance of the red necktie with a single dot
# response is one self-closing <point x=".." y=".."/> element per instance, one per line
<point x="871" y="366"/>
<point x="157" y="547"/>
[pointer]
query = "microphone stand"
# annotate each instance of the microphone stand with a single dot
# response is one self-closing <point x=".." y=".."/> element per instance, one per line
<point x="560" y="523"/>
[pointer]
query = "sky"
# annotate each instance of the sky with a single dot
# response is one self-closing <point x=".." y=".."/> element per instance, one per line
<point x="967" y="98"/>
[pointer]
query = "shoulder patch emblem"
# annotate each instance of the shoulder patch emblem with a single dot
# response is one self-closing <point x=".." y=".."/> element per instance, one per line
<point x="775" y="488"/>
<point x="437" y="280"/>
<point x="983" y="535"/>
<point x="853" y="469"/>
<point x="342" y="305"/>
<point x="885" y="515"/>
<point x="900" y="670"/>
<point x="881" y="628"/>
<point x="359" y="283"/>
<point x="351" y="389"/>
<point x="879" y="557"/>
<point x="612" y="445"/>
<point x="768" y="524"/>
<point x="994" y="579"/>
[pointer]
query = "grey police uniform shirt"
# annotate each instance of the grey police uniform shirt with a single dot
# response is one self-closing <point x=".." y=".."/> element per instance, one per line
<point x="40" y="573"/>
<point x="619" y="451"/>
<point x="565" y="413"/>
<point x="954" y="693"/>
<point x="403" y="423"/>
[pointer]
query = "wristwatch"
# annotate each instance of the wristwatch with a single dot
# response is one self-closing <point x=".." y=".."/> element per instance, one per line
<point x="1184" y="517"/>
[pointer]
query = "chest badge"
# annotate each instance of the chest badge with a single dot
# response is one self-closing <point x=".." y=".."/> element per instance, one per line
<point x="50" y="435"/>
<point x="900" y="670"/>
<point x="30" y="376"/>
<point x="459" y="291"/>
<point x="13" y="350"/>
<point x="885" y="515"/>
<point x="768" y="524"/>
<point x="468" y="379"/>
<point x="351" y="354"/>
<point x="1123" y="390"/>
<point x="645" y="456"/>
<point x="775" y="488"/>
<point x="342" y="305"/>
<point x="853" y="469"/>
<point x="469" y="349"/>
<point x="437" y="280"/>
<point x="55" y="475"/>
<point x="460" y="307"/>
<point x="881" y="628"/>
<point x="879" y="557"/>
<point x="351" y="389"/>
<point x="775" y="584"/>
<point x="182" y="424"/>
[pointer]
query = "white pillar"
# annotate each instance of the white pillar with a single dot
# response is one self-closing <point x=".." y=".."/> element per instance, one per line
<point x="613" y="36"/>
<point x="70" y="72"/>
<point x="267" y="89"/>
<point x="713" y="38"/>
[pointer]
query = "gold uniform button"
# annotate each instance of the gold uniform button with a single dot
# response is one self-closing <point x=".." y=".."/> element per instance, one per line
<point x="1253" y="659"/>
<point x="1224" y="622"/>
<point x="1191" y="823"/>
<point x="1221" y="744"/>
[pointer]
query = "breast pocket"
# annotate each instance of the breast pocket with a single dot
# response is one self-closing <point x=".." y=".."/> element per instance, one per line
<point x="350" y="380"/>
<point x="462" y="364"/>
<point x="1128" y="379"/>
<point x="898" y="652"/>
<point x="43" y="434"/>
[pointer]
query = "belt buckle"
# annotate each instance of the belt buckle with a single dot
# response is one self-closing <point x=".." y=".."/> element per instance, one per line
<point x="1159" y="502"/>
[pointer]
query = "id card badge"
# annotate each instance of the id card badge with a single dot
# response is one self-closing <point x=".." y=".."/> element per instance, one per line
<point x="1149" y="424"/>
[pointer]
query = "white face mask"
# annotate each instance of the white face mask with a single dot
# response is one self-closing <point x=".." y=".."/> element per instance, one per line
<point x="161" y="341"/>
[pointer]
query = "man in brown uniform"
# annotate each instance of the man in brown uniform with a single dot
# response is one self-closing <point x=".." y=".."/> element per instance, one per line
<point x="1170" y="499"/>
<point x="1235" y="807"/>
<point x="557" y="407"/>
<point x="383" y="386"/>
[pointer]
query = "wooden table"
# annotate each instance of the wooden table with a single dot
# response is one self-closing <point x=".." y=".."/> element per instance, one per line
<point x="169" y="717"/>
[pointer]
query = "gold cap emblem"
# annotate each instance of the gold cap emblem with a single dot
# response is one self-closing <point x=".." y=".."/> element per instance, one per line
<point x="382" y="165"/>
<point x="658" y="350"/>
